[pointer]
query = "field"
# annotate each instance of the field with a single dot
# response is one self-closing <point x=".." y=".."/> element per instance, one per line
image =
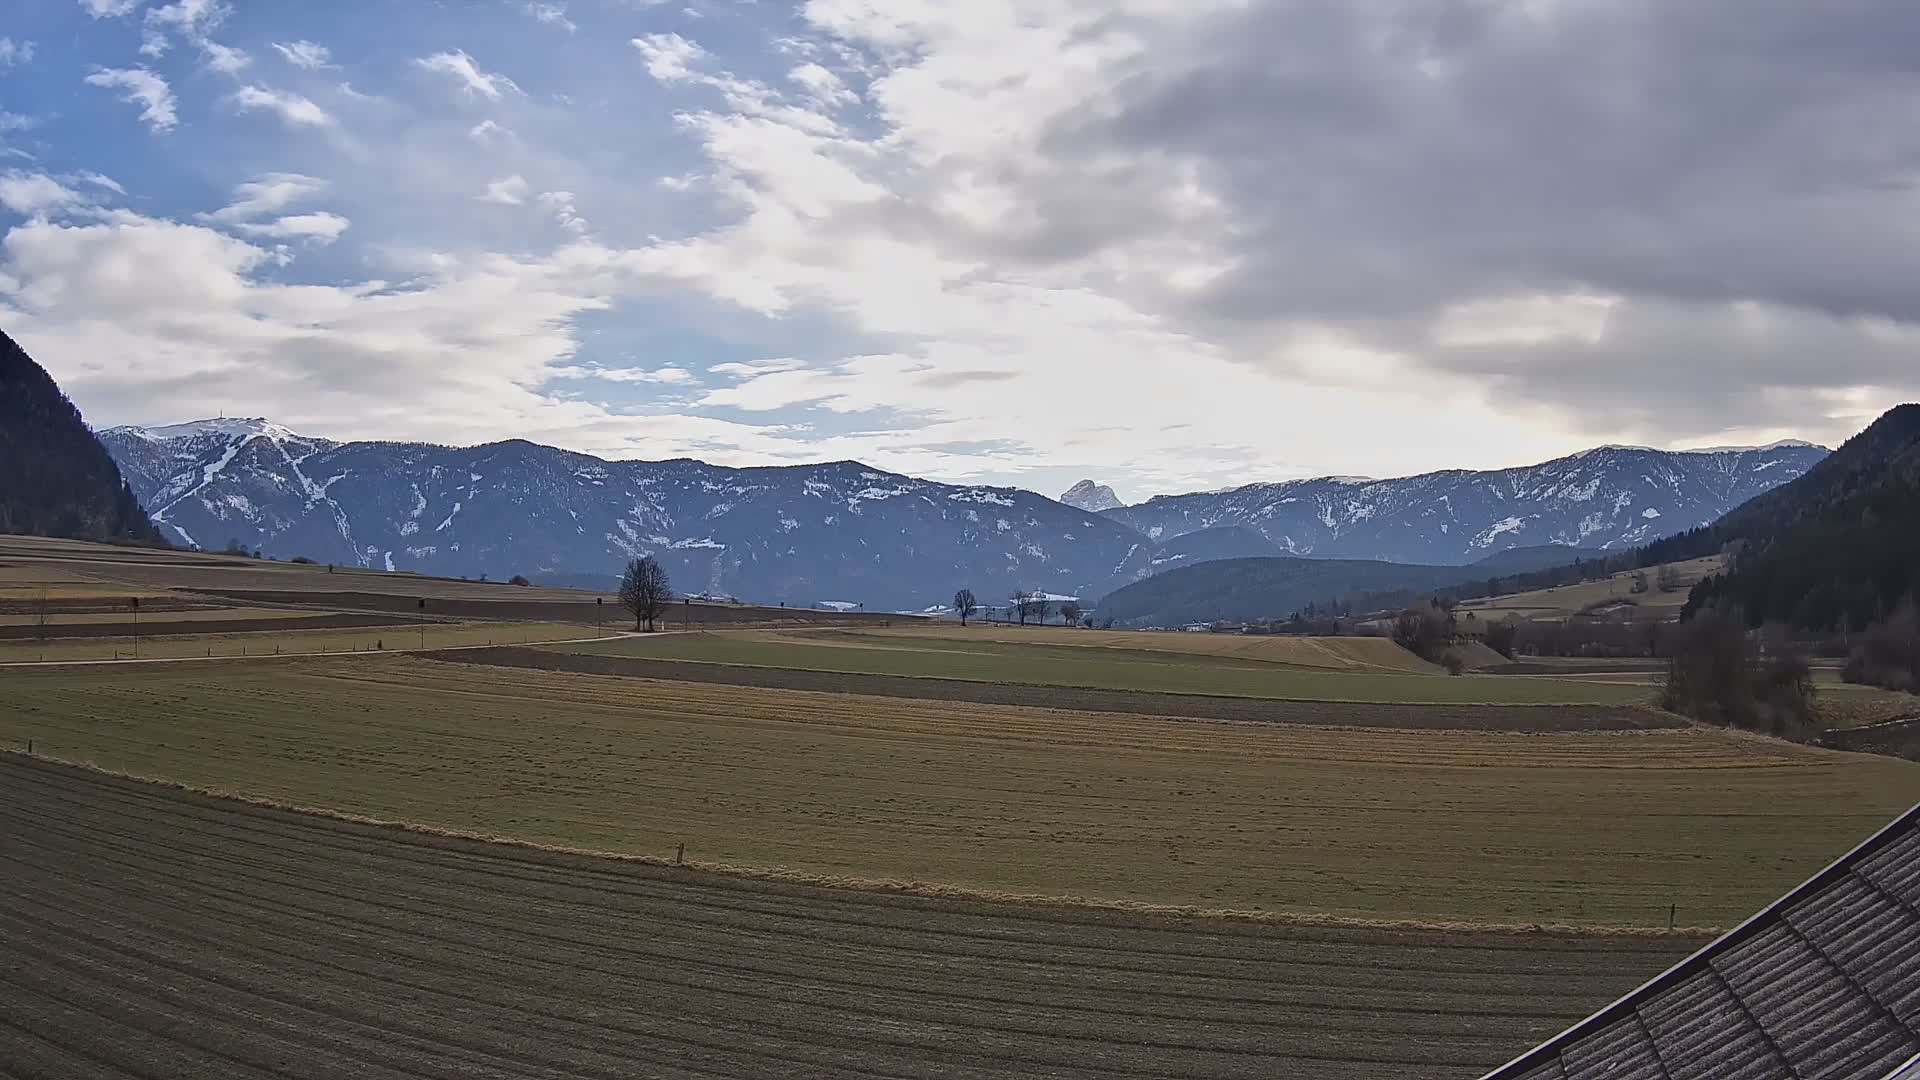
<point x="911" y="848"/>
<point x="1114" y="667"/>
<point x="1577" y="827"/>
<point x="1568" y="600"/>
<point x="153" y="932"/>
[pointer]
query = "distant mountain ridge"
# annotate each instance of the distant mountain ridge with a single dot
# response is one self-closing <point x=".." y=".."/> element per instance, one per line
<point x="801" y="534"/>
<point x="1089" y="496"/>
<point x="1608" y="498"/>
<point x="56" y="479"/>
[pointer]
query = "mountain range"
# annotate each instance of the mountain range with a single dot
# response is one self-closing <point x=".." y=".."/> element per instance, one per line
<point x="846" y="532"/>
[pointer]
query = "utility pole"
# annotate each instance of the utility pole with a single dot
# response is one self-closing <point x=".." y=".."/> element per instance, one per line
<point x="423" y="623"/>
<point x="134" y="602"/>
<point x="599" y="605"/>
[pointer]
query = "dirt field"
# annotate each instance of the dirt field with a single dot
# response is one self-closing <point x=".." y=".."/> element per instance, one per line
<point x="348" y="633"/>
<point x="911" y="654"/>
<point x="578" y="608"/>
<point x="1518" y="718"/>
<point x="1592" y="828"/>
<point x="153" y="932"/>
<point x="1339" y="653"/>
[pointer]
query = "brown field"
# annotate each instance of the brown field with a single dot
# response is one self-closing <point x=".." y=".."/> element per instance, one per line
<point x="155" y="932"/>
<point x="1518" y="718"/>
<point x="341" y="633"/>
<point x="1486" y="828"/>
<point x="1344" y="653"/>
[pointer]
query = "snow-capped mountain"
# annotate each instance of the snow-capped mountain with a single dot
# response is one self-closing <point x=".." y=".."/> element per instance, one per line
<point x="1610" y="497"/>
<point x="798" y="534"/>
<point x="1091" y="497"/>
<point x="844" y="531"/>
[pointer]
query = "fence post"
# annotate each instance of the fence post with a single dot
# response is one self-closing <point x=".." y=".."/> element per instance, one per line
<point x="1671" y="909"/>
<point x="680" y="853"/>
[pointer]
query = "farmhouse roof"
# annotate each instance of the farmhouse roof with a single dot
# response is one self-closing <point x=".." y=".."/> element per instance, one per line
<point x="1823" y="983"/>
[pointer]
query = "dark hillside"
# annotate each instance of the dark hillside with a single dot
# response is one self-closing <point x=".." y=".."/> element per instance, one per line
<point x="55" y="477"/>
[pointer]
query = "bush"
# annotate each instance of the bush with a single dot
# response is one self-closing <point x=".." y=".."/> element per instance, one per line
<point x="1888" y="655"/>
<point x="518" y="579"/>
<point x="1716" y="674"/>
<point x="1424" y="632"/>
<point x="1452" y="662"/>
<point x="302" y="560"/>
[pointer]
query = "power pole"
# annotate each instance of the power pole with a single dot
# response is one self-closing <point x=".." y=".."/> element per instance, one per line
<point x="599" y="605"/>
<point x="423" y="623"/>
<point x="134" y="602"/>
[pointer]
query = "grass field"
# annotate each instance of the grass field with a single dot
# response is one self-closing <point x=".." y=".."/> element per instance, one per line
<point x="910" y="653"/>
<point x="1487" y="828"/>
<point x="151" y="932"/>
<point x="1567" y="600"/>
<point x="436" y="635"/>
<point x="1334" y="653"/>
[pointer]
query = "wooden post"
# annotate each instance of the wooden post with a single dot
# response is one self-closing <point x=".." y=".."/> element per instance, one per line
<point x="1671" y="909"/>
<point x="29" y="747"/>
<point x="680" y="854"/>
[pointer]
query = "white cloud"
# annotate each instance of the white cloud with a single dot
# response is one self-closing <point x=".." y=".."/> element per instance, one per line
<point x="823" y="86"/>
<point x="308" y="55"/>
<point x="551" y="13"/>
<point x="665" y="376"/>
<point x="669" y="57"/>
<point x="560" y="205"/>
<point x="15" y="52"/>
<point x="109" y="9"/>
<point x="506" y="191"/>
<point x="293" y="110"/>
<point x="462" y="69"/>
<point x="319" y="227"/>
<point x="486" y="131"/>
<point x="190" y="18"/>
<point x="266" y="194"/>
<point x="143" y="88"/>
<point x="224" y="59"/>
<point x="15" y="122"/>
<point x="35" y="193"/>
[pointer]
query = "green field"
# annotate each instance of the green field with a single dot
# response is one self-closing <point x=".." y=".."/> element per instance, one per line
<point x="1585" y="828"/>
<point x="882" y="652"/>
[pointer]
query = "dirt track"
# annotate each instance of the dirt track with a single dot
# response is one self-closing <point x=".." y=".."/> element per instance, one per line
<point x="150" y="932"/>
<point x="1535" y="718"/>
<point x="160" y="628"/>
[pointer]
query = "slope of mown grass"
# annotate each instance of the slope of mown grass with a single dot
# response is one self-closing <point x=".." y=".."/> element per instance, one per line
<point x="1499" y="828"/>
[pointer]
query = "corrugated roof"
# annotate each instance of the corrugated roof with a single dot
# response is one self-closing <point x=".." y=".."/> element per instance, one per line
<point x="1824" y="983"/>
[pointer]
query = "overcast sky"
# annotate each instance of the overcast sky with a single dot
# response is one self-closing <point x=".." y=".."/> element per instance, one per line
<point x="1167" y="244"/>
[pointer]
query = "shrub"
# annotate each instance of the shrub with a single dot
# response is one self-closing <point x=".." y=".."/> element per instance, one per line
<point x="518" y="579"/>
<point x="1716" y="674"/>
<point x="1452" y="662"/>
<point x="1888" y="654"/>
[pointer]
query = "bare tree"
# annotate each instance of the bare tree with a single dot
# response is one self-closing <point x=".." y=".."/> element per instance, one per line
<point x="965" y="605"/>
<point x="644" y="591"/>
<point x="1668" y="578"/>
<point x="1021" y="604"/>
<point x="1042" y="606"/>
<point x="1070" y="612"/>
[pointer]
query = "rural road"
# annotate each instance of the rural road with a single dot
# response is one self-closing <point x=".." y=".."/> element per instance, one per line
<point x="150" y="932"/>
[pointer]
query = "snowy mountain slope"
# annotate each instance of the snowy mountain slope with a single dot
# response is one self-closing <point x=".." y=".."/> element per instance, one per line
<point x="797" y="534"/>
<point x="1609" y="498"/>
<point x="1091" y="497"/>
<point x="843" y="531"/>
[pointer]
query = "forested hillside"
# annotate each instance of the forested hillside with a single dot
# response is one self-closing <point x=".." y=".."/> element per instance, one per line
<point x="1839" y="548"/>
<point x="55" y="477"/>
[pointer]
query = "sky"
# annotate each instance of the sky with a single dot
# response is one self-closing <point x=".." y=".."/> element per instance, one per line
<point x="1165" y="244"/>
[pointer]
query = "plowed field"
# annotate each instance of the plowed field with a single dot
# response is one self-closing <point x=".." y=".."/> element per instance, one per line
<point x="149" y="932"/>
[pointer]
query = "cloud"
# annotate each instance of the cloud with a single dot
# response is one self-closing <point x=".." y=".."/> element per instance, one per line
<point x="35" y="193"/>
<point x="320" y="228"/>
<point x="306" y="55"/>
<point x="15" y="52"/>
<point x="109" y="9"/>
<point x="265" y="195"/>
<point x="292" y="109"/>
<point x="224" y="60"/>
<point x="143" y="88"/>
<point x="487" y="131"/>
<point x="506" y="191"/>
<point x="665" y="376"/>
<point x="560" y="205"/>
<point x="551" y="13"/>
<point x="669" y="57"/>
<point x="190" y="19"/>
<point x="463" y="70"/>
<point x="15" y="122"/>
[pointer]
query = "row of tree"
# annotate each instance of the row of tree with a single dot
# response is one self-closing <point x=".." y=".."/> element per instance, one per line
<point x="1037" y="606"/>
